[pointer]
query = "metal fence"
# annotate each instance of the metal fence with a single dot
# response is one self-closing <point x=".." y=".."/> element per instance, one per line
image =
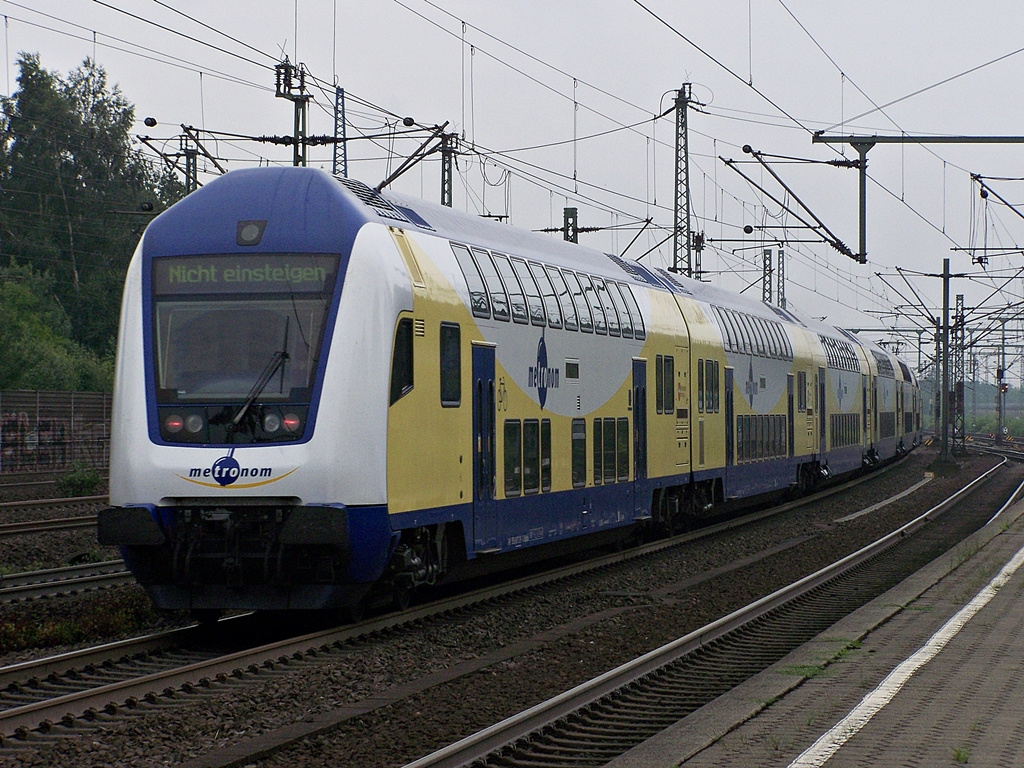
<point x="51" y="431"/>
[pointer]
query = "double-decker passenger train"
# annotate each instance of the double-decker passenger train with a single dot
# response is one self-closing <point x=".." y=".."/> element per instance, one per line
<point x="326" y="394"/>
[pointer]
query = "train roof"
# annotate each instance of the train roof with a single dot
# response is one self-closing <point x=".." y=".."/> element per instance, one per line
<point x="312" y="202"/>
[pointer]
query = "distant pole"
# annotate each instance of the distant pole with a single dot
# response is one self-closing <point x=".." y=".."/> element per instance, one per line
<point x="449" y="148"/>
<point x="959" y="376"/>
<point x="340" y="165"/>
<point x="944" y="394"/>
<point x="191" y="164"/>
<point x="766" y="277"/>
<point x="681" y="231"/>
<point x="780" y="291"/>
<point x="1000" y="384"/>
<point x="291" y="85"/>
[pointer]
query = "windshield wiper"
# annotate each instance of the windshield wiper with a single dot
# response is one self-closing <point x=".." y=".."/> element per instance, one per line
<point x="276" y="362"/>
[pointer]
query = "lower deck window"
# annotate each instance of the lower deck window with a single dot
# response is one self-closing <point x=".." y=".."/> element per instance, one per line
<point x="579" y="453"/>
<point x="527" y="456"/>
<point x="761" y="437"/>
<point x="513" y="458"/>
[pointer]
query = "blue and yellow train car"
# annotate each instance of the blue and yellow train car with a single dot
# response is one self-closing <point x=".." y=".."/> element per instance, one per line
<point x="327" y="395"/>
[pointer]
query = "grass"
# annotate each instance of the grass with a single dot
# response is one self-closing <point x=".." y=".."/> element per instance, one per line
<point x="113" y="613"/>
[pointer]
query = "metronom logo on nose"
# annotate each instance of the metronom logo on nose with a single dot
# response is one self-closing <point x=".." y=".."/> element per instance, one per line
<point x="226" y="471"/>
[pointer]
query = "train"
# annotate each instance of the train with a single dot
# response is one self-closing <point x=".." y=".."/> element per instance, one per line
<point x="329" y="395"/>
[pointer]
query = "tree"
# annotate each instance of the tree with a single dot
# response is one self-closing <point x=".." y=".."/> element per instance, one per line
<point x="72" y="185"/>
<point x="37" y="352"/>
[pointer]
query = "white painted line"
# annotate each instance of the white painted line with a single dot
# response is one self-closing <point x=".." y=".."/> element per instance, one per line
<point x="829" y="743"/>
<point x="927" y="479"/>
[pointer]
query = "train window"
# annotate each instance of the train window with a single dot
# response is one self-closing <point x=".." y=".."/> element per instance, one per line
<point x="609" y="450"/>
<point x="598" y="455"/>
<point x="499" y="299"/>
<point x="759" y="335"/>
<point x="564" y="299"/>
<point x="548" y="292"/>
<point x="531" y="456"/>
<point x="401" y="362"/>
<point x="716" y="389"/>
<point x="740" y="454"/>
<point x="737" y="331"/>
<point x="545" y="455"/>
<point x="451" y="366"/>
<point x="590" y="293"/>
<point x="625" y="321"/>
<point x="801" y="391"/>
<point x="773" y="342"/>
<point x="659" y="384"/>
<point x="513" y="458"/>
<point x="700" y="385"/>
<point x="670" y="385"/>
<point x="709" y="386"/>
<point x="746" y="336"/>
<point x="579" y="453"/>
<point x="603" y="296"/>
<point x="534" y="303"/>
<point x="516" y="300"/>
<point x="622" y="448"/>
<point x="580" y="300"/>
<point x="726" y="328"/>
<point x="477" y="290"/>
<point x="634" y="310"/>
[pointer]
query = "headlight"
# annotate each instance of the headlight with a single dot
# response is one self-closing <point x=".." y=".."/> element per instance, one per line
<point x="173" y="423"/>
<point x="194" y="423"/>
<point x="292" y="422"/>
<point x="271" y="422"/>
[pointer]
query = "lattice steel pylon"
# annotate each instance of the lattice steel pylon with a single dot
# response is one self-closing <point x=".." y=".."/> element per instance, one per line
<point x="682" y="247"/>
<point x="339" y="165"/>
<point x="766" y="277"/>
<point x="956" y="357"/>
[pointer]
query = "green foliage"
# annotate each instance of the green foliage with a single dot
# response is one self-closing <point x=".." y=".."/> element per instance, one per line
<point x="71" y="186"/>
<point x="114" y="613"/>
<point x="38" y="352"/>
<point x="81" y="480"/>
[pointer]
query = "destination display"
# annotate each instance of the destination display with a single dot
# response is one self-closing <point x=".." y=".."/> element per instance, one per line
<point x="262" y="273"/>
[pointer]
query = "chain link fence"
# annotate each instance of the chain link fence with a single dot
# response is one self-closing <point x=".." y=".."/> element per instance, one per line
<point x="53" y="431"/>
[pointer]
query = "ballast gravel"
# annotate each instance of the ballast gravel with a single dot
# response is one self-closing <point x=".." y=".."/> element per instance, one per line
<point x="393" y="735"/>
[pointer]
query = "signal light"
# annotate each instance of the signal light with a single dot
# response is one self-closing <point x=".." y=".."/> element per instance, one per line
<point x="174" y="424"/>
<point x="1003" y="387"/>
<point x="292" y="422"/>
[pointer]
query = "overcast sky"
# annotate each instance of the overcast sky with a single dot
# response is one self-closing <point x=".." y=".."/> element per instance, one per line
<point x="516" y="75"/>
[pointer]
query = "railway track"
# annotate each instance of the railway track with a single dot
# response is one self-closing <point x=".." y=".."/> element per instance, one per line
<point x="41" y="694"/>
<point x="73" y="579"/>
<point x="596" y="722"/>
<point x="34" y="513"/>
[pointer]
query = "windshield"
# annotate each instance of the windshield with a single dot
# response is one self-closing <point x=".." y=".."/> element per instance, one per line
<point x="221" y="321"/>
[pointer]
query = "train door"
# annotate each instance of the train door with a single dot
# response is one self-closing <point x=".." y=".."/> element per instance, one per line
<point x="485" y="528"/>
<point x="822" y="444"/>
<point x="790" y="417"/>
<point x="866" y="436"/>
<point x="729" y="420"/>
<point x="641" y="499"/>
